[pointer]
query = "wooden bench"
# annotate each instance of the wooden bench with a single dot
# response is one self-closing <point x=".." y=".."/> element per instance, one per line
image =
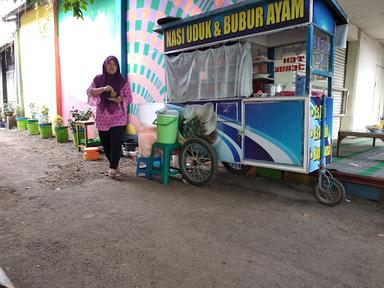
<point x="358" y="134"/>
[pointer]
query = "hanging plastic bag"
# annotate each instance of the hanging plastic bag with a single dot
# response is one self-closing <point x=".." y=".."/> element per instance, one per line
<point x="205" y="115"/>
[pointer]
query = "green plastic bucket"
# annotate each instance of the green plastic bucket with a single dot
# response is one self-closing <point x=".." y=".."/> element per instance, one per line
<point x="61" y="134"/>
<point x="45" y="130"/>
<point x="32" y="126"/>
<point x="167" y="126"/>
<point x="21" y="123"/>
<point x="74" y="138"/>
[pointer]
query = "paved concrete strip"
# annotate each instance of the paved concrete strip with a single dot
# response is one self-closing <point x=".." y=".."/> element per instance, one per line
<point x="352" y="155"/>
<point x="372" y="170"/>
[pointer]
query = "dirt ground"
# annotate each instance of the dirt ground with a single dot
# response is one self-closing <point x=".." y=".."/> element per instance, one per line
<point x="64" y="224"/>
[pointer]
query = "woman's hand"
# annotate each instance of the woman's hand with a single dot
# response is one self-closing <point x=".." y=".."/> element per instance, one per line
<point x="118" y="99"/>
<point x="101" y="90"/>
<point x="108" y="88"/>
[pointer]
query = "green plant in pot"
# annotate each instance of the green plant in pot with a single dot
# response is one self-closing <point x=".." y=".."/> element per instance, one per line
<point x="75" y="116"/>
<point x="20" y="119"/>
<point x="9" y="109"/>
<point x="60" y="129"/>
<point x="45" y="126"/>
<point x="19" y="111"/>
<point x="32" y="124"/>
<point x="34" y="110"/>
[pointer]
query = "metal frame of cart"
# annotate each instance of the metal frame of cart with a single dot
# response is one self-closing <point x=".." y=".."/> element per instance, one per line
<point x="290" y="133"/>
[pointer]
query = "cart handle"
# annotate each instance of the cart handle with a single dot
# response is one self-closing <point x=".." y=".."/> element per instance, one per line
<point x="164" y="124"/>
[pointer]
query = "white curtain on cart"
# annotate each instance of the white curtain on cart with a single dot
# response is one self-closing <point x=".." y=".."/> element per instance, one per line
<point x="215" y="73"/>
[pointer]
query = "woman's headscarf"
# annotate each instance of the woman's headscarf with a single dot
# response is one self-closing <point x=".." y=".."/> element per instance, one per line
<point x="116" y="81"/>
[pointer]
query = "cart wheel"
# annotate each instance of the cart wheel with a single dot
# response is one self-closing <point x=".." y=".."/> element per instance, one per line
<point x="198" y="162"/>
<point x="331" y="192"/>
<point x="236" y="168"/>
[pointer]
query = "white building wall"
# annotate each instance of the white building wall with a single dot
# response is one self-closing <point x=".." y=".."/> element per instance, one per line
<point x="8" y="28"/>
<point x="37" y="55"/>
<point x="364" y="57"/>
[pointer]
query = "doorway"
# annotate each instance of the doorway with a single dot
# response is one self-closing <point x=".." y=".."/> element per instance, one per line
<point x="378" y="101"/>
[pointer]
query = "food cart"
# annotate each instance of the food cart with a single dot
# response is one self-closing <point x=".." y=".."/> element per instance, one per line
<point x="253" y="84"/>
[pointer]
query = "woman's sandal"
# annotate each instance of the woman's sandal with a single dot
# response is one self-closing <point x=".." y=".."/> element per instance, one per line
<point x="115" y="174"/>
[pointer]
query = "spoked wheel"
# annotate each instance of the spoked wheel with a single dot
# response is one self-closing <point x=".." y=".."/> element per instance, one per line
<point x="330" y="192"/>
<point x="198" y="162"/>
<point x="236" y="168"/>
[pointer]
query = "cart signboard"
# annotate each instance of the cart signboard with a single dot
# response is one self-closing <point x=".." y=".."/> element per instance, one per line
<point x="241" y="20"/>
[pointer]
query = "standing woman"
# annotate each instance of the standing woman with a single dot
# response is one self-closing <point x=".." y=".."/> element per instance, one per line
<point x="111" y="94"/>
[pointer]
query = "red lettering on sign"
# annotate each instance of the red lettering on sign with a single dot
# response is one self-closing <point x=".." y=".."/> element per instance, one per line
<point x="290" y="68"/>
<point x="300" y="58"/>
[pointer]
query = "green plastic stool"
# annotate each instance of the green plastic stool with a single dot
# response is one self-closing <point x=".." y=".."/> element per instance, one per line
<point x="164" y="170"/>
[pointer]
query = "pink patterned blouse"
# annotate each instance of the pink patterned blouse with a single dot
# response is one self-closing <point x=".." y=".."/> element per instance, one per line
<point x="104" y="120"/>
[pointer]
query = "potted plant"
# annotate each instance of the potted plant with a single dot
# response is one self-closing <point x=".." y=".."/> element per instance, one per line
<point x="60" y="129"/>
<point x="45" y="127"/>
<point x="78" y="115"/>
<point x="34" y="109"/>
<point x="32" y="124"/>
<point x="2" y="123"/>
<point x="21" y="121"/>
<point x="9" y="111"/>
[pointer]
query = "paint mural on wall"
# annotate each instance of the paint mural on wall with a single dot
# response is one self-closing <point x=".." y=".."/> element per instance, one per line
<point x="145" y="47"/>
<point x="84" y="44"/>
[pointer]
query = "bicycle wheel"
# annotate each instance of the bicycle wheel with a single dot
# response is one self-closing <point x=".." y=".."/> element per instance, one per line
<point x="331" y="192"/>
<point x="198" y="162"/>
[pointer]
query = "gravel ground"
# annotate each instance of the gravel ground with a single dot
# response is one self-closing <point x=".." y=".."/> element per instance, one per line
<point x="64" y="224"/>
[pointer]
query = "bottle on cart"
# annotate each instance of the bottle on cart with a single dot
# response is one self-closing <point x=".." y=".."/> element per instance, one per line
<point x="382" y="121"/>
<point x="300" y="85"/>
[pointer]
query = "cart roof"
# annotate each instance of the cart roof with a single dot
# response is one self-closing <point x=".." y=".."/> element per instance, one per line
<point x="171" y="22"/>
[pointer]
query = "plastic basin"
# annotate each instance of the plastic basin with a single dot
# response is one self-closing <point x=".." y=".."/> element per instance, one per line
<point x="91" y="154"/>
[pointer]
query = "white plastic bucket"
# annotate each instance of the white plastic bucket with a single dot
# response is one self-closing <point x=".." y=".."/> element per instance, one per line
<point x="147" y="113"/>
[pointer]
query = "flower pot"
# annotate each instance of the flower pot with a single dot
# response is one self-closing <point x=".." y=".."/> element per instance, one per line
<point x="11" y="122"/>
<point x="61" y="134"/>
<point x="45" y="130"/>
<point x="32" y="126"/>
<point x="74" y="138"/>
<point x="21" y="123"/>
